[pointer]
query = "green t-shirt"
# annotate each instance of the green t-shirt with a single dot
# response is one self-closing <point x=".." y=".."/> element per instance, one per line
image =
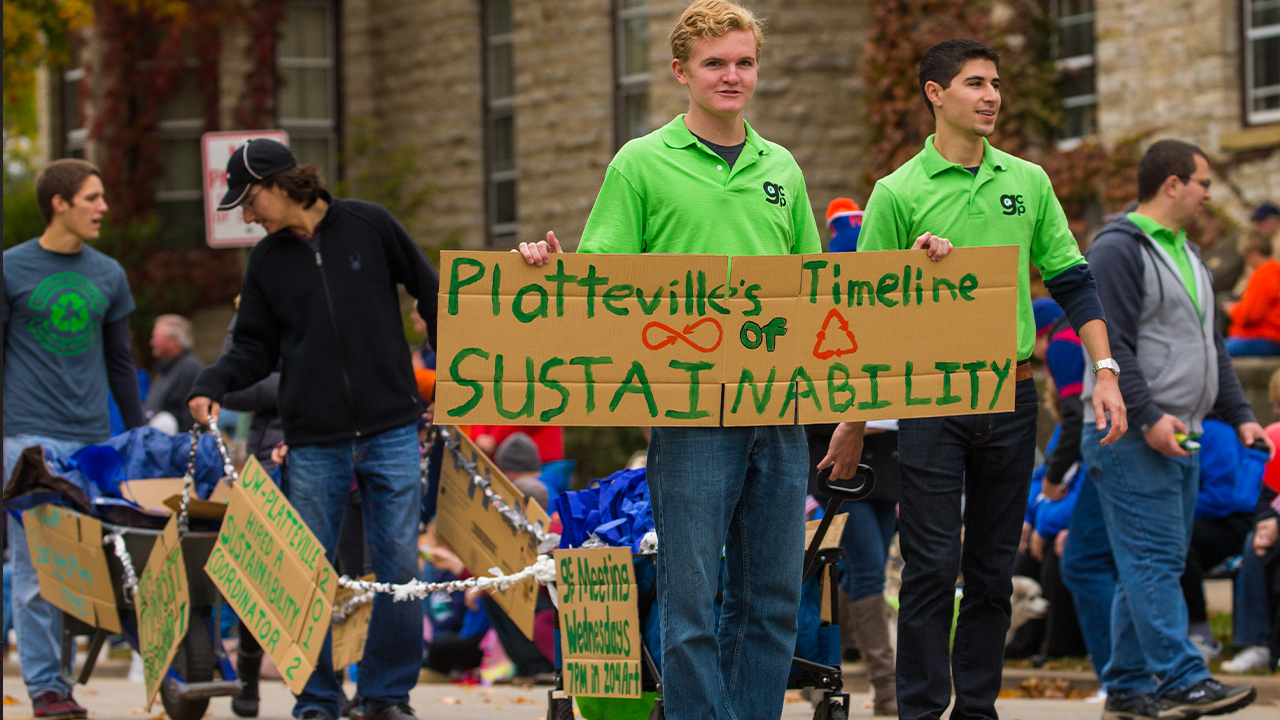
<point x="1176" y="245"/>
<point x="667" y="192"/>
<point x="1008" y="202"/>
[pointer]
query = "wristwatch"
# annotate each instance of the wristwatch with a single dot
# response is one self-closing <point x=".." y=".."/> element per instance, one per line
<point x="1107" y="364"/>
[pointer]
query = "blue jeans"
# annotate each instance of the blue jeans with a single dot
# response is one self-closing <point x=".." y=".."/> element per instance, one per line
<point x="986" y="459"/>
<point x="1149" y="503"/>
<point x="741" y="489"/>
<point x="868" y="533"/>
<point x="386" y="468"/>
<point x="1089" y="572"/>
<point x="37" y="623"/>
<point x="1252" y="623"/>
<point x="1245" y="346"/>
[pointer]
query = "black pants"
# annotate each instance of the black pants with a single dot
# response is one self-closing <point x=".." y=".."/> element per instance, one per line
<point x="987" y="459"/>
<point x="1212" y="541"/>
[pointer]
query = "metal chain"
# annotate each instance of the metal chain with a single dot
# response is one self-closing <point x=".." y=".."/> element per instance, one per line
<point x="116" y="541"/>
<point x="189" y="480"/>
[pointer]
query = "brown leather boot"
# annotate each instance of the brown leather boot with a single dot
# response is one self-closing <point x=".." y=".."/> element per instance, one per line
<point x="869" y="623"/>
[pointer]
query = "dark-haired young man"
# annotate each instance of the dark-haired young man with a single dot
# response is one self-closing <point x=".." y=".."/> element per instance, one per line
<point x="961" y="188"/>
<point x="320" y="296"/>
<point x="66" y="340"/>
<point x="1174" y="370"/>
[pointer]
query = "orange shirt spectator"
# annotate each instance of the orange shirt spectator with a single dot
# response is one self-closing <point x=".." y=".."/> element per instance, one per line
<point x="1255" y="320"/>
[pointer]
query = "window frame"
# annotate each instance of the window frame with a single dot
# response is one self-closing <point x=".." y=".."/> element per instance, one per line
<point x="1248" y="36"/>
<point x="493" y="110"/>
<point x="1075" y="63"/>
<point x="312" y="128"/>
<point x="625" y="86"/>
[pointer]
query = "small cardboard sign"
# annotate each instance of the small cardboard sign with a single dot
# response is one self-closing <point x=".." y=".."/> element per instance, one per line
<point x="350" y="633"/>
<point x="66" y="550"/>
<point x="163" y="602"/>
<point x="710" y="340"/>
<point x="599" y="622"/>
<point x="834" y="531"/>
<point x="163" y="496"/>
<point x="273" y="572"/>
<point x="480" y="536"/>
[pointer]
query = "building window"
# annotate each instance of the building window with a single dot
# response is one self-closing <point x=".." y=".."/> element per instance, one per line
<point x="306" y="101"/>
<point x="73" y="128"/>
<point x="1075" y="62"/>
<point x="179" y="189"/>
<point x="1262" y="60"/>
<point x="631" y="69"/>
<point x="499" y="122"/>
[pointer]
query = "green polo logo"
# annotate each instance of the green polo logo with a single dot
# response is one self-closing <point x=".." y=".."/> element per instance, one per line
<point x="1012" y="204"/>
<point x="65" y="305"/>
<point x="775" y="194"/>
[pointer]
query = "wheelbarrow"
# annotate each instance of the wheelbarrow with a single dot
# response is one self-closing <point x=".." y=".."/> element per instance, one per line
<point x="189" y="684"/>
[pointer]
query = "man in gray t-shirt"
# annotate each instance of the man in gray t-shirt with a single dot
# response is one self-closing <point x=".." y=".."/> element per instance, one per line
<point x="66" y="340"/>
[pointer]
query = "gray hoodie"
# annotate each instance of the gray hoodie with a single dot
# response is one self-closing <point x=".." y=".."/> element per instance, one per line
<point x="1171" y="359"/>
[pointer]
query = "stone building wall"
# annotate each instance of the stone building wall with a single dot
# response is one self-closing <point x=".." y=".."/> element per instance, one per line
<point x="1174" y="70"/>
<point x="411" y="73"/>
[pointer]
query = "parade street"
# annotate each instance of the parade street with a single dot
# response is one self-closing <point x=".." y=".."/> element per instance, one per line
<point x="119" y="699"/>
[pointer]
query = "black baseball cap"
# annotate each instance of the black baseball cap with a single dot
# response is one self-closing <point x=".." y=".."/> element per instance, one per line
<point x="1264" y="211"/>
<point x="250" y="163"/>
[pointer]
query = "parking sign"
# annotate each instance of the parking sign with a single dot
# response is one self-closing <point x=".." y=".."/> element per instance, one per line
<point x="227" y="228"/>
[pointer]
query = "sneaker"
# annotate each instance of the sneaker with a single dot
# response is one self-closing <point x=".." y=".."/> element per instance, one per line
<point x="1255" y="658"/>
<point x="1141" y="707"/>
<point x="52" y="706"/>
<point x="1098" y="697"/>
<point x="399" y="711"/>
<point x="1210" y="697"/>
<point x="1209" y="648"/>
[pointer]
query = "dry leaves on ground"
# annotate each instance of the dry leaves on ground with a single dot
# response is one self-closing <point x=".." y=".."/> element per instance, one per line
<point x="1043" y="688"/>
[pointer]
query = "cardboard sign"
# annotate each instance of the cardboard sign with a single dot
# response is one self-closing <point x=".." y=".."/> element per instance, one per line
<point x="273" y="571"/>
<point x="599" y="623"/>
<point x="163" y="496"/>
<point x="227" y="228"/>
<point x="350" y="633"/>
<point x="163" y="602"/>
<point x="711" y="340"/>
<point x="834" y="531"/>
<point x="66" y="550"/>
<point x="481" y="537"/>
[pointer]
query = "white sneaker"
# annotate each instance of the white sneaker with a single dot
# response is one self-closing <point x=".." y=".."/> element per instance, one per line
<point x="1255" y="658"/>
<point x="1098" y="697"/>
<point x="1208" y="647"/>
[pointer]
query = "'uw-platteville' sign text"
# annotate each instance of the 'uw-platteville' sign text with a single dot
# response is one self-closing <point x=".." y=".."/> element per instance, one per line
<point x="712" y="340"/>
<point x="599" y="624"/>
<point x="273" y="571"/>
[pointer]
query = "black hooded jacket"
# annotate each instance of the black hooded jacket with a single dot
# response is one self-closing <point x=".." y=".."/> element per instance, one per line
<point x="331" y="318"/>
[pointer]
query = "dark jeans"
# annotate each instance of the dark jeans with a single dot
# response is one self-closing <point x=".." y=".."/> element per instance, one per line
<point x="987" y="460"/>
<point x="1212" y="541"/>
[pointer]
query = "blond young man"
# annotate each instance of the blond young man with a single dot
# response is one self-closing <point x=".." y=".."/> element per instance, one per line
<point x="695" y="186"/>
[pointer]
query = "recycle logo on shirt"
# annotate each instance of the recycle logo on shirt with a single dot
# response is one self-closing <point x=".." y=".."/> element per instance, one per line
<point x="64" y="305"/>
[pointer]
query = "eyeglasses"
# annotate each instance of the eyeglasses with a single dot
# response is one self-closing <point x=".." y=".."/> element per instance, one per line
<point x="248" y="202"/>
<point x="1205" y="183"/>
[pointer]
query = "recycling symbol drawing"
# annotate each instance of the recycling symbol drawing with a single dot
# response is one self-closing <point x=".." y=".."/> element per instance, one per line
<point x="64" y="306"/>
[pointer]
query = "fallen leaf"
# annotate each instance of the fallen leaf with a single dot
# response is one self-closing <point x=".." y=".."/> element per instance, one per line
<point x="138" y="711"/>
<point x="450" y="700"/>
<point x="90" y="693"/>
<point x="10" y="700"/>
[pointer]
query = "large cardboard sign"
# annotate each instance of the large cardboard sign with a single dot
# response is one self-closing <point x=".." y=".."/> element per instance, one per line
<point x="599" y="623"/>
<point x="480" y="536"/>
<point x="66" y="550"/>
<point x="227" y="228"/>
<point x="164" y="601"/>
<point x="274" y="573"/>
<point x="712" y="340"/>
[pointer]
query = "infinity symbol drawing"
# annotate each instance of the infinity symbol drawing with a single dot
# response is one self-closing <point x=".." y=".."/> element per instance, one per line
<point x="672" y="335"/>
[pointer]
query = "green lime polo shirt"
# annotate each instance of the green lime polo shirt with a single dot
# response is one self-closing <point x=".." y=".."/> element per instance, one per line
<point x="666" y="192"/>
<point x="1009" y="202"/>
<point x="1174" y="243"/>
